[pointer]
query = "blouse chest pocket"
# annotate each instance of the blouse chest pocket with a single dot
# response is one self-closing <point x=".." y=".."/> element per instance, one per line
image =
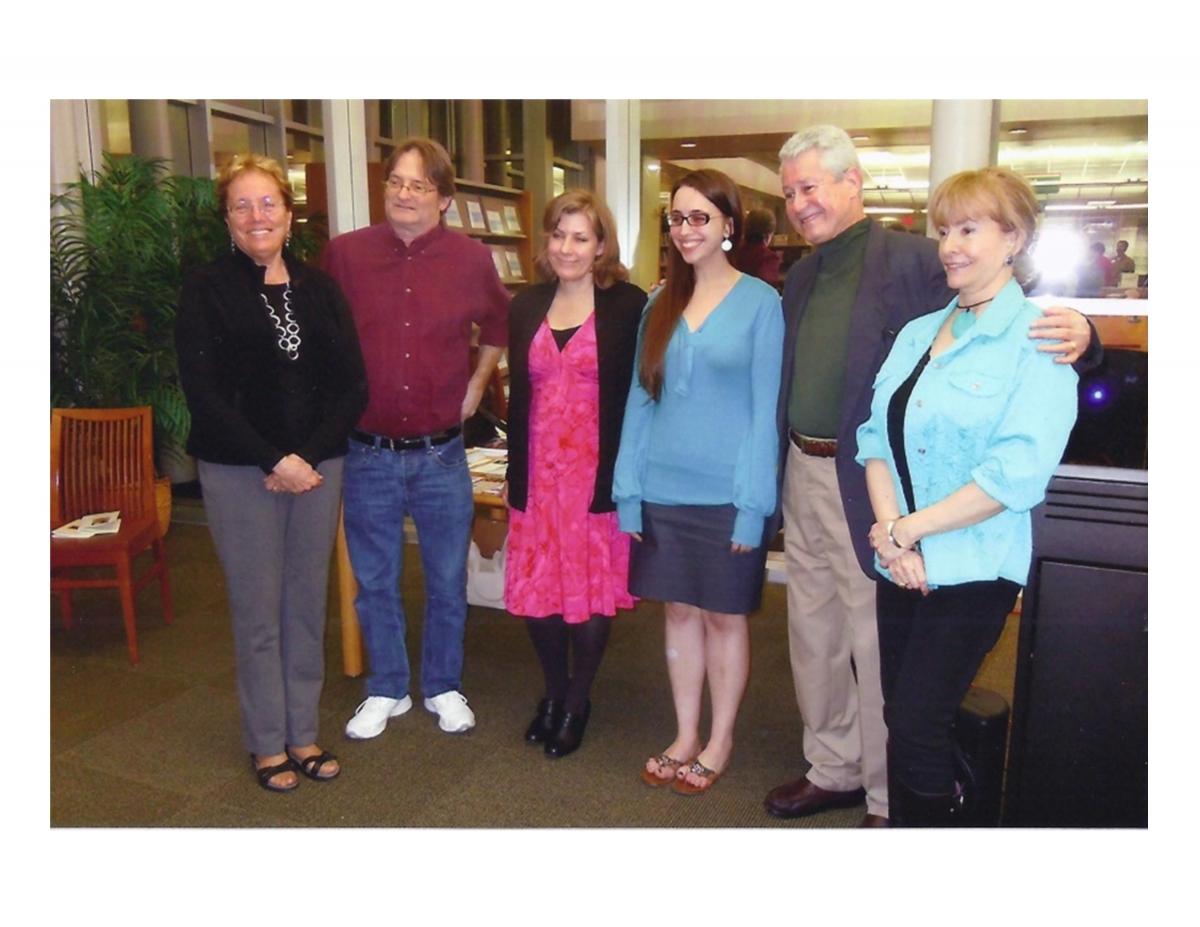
<point x="976" y="383"/>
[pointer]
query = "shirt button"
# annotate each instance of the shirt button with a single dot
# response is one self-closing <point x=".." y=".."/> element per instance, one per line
<point x="407" y="290"/>
<point x="406" y="324"/>
<point x="406" y="354"/>
<point x="920" y="450"/>
<point x="407" y="388"/>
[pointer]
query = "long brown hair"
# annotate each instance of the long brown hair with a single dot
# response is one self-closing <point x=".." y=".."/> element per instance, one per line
<point x="664" y="315"/>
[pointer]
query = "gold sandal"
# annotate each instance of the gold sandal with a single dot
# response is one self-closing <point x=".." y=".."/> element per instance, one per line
<point x="709" y="777"/>
<point x="664" y="762"/>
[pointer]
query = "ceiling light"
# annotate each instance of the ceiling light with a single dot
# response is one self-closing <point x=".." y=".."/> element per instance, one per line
<point x="687" y="144"/>
<point x="1067" y="207"/>
<point x="860" y="138"/>
<point x="1017" y="131"/>
<point x="1102" y="203"/>
<point x="887" y="211"/>
<point x="653" y="168"/>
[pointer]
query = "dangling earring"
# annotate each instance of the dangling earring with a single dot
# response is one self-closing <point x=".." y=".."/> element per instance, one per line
<point x="287" y="242"/>
<point x="232" y="246"/>
<point x="726" y="245"/>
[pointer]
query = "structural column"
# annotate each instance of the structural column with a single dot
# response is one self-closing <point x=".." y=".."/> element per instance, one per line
<point x="623" y="169"/>
<point x="346" y="165"/>
<point x="76" y="141"/>
<point x="964" y="136"/>
<point x="538" y="155"/>
<point x="470" y="128"/>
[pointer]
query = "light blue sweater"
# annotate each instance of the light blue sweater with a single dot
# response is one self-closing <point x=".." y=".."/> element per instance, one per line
<point x="711" y="438"/>
<point x="989" y="410"/>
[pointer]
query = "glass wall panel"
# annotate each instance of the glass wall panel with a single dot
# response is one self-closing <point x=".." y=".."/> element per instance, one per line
<point x="231" y="137"/>
<point x="181" y="140"/>
<point x="115" y="115"/>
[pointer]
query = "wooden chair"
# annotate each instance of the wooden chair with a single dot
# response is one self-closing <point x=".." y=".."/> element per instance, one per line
<point x="103" y="460"/>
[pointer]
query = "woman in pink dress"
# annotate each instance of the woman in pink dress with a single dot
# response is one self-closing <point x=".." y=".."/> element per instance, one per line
<point x="572" y="341"/>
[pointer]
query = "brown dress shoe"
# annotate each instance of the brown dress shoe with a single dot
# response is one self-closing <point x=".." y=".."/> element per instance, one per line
<point x="873" y="820"/>
<point x="800" y="798"/>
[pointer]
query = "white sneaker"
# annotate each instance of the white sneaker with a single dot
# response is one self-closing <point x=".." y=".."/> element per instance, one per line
<point x="454" y="717"/>
<point x="371" y="717"/>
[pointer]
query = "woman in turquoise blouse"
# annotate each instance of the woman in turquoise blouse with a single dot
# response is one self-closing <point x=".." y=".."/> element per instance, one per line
<point x="695" y="474"/>
<point x="967" y="424"/>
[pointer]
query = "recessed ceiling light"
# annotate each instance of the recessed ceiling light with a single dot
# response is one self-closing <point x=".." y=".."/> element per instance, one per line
<point x="1017" y="131"/>
<point x="860" y="138"/>
<point x="687" y="144"/>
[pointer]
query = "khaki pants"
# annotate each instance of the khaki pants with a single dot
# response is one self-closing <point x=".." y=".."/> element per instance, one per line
<point x="831" y="620"/>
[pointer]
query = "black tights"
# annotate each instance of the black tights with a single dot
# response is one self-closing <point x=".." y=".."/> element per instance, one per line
<point x="569" y="680"/>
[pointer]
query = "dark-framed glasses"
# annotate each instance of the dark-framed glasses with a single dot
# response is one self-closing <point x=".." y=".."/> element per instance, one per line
<point x="419" y="187"/>
<point x="695" y="218"/>
<point x="267" y="205"/>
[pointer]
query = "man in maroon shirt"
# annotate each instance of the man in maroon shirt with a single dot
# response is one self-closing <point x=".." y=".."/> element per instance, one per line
<point x="415" y="289"/>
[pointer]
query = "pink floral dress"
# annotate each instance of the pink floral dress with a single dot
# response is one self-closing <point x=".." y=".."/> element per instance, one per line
<point x="563" y="559"/>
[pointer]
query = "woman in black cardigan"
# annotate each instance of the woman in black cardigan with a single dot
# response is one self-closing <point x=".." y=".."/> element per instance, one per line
<point x="274" y="379"/>
<point x="571" y="348"/>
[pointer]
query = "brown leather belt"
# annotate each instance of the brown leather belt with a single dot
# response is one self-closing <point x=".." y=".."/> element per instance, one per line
<point x="814" y="447"/>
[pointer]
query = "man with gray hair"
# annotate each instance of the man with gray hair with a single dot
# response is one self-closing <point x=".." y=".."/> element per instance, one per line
<point x="843" y="306"/>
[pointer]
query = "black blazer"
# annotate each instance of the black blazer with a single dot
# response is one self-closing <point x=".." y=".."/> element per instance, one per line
<point x="248" y="405"/>
<point x="618" y="312"/>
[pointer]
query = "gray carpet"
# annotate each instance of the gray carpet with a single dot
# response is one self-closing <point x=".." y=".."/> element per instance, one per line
<point x="158" y="745"/>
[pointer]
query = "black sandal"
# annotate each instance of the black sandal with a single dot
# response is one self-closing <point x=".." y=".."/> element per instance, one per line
<point x="311" y="765"/>
<point x="266" y="773"/>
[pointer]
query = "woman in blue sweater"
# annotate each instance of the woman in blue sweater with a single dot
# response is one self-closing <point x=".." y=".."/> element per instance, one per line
<point x="695" y="474"/>
<point x="967" y="424"/>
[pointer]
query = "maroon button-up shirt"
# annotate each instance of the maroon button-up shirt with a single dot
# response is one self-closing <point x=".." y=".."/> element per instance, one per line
<point x="413" y="306"/>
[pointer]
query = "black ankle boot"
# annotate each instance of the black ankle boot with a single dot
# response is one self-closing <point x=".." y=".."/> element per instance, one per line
<point x="547" y="720"/>
<point x="569" y="735"/>
<point x="907" y="808"/>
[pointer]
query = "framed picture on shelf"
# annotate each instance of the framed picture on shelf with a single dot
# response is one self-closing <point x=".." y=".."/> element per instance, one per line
<point x="499" y="259"/>
<point x="514" y="264"/>
<point x="494" y="220"/>
<point x="453" y="216"/>
<point x="512" y="221"/>
<point x="475" y="215"/>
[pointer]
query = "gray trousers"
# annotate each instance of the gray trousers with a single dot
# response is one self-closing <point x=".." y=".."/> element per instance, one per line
<point x="275" y="550"/>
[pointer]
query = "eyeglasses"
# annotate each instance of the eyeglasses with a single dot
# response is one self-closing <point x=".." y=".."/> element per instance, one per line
<point x="268" y="206"/>
<point x="694" y="219"/>
<point x="419" y="187"/>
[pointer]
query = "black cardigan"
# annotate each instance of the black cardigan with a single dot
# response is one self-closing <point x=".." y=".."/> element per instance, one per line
<point x="249" y="404"/>
<point x="618" y="312"/>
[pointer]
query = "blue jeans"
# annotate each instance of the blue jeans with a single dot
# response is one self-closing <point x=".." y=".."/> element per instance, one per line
<point x="432" y="485"/>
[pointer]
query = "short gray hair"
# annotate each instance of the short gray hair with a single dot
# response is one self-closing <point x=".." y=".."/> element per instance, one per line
<point x="838" y="154"/>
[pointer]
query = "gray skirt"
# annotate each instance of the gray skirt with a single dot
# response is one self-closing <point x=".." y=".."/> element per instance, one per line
<point x="684" y="556"/>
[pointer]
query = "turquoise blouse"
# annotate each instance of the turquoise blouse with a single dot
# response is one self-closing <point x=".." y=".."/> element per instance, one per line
<point x="990" y="409"/>
<point x="711" y="438"/>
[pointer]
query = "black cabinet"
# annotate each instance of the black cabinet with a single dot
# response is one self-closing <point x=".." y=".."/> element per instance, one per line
<point x="1078" y="753"/>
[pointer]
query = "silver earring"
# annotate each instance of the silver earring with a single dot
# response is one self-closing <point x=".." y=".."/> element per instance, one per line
<point x="232" y="246"/>
<point x="287" y="242"/>
<point x="726" y="245"/>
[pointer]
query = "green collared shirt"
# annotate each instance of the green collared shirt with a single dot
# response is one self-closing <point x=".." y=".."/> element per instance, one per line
<point x="818" y="374"/>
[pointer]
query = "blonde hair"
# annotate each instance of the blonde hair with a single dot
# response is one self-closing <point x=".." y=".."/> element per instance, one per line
<point x="244" y="163"/>
<point x="607" y="268"/>
<point x="995" y="193"/>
